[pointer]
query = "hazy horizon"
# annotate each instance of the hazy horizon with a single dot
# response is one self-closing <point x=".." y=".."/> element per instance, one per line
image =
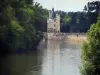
<point x="64" y="5"/>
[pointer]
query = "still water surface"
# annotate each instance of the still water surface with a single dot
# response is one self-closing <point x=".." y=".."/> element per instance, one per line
<point x="52" y="58"/>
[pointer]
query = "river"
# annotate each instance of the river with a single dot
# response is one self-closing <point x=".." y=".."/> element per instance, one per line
<point x="51" y="58"/>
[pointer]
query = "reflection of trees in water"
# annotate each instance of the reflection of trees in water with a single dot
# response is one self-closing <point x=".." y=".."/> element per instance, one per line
<point x="19" y="64"/>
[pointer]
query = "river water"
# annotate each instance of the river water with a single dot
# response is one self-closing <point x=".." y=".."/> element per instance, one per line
<point x="51" y="58"/>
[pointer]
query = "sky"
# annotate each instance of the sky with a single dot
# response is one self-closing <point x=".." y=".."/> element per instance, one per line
<point x="64" y="5"/>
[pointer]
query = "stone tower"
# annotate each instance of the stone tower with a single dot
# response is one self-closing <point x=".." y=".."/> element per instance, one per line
<point x="53" y="22"/>
<point x="57" y="23"/>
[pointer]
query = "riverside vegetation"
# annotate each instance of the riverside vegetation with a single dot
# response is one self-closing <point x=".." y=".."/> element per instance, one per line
<point x="19" y="25"/>
<point x="90" y="53"/>
<point x="22" y="21"/>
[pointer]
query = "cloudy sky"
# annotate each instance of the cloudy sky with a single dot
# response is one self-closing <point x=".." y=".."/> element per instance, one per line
<point x="65" y="5"/>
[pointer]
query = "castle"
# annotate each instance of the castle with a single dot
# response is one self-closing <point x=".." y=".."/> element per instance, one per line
<point x="53" y="22"/>
<point x="53" y="28"/>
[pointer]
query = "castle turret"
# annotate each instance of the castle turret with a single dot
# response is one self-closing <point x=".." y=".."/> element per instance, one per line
<point x="52" y="13"/>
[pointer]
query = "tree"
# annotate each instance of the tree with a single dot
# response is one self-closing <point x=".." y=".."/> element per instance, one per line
<point x="90" y="54"/>
<point x="18" y="21"/>
<point x="9" y="27"/>
<point x="93" y="9"/>
<point x="41" y="16"/>
<point x="93" y="6"/>
<point x="67" y="19"/>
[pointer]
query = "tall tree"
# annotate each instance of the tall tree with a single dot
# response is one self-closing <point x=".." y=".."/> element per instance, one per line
<point x="93" y="9"/>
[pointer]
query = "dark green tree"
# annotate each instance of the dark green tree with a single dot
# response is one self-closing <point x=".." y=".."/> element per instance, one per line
<point x="9" y="27"/>
<point x="18" y="24"/>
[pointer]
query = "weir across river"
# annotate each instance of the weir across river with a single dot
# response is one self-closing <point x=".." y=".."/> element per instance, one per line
<point x="63" y="36"/>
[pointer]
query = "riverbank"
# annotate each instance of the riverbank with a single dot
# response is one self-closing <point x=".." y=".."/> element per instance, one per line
<point x="76" y="39"/>
<point x="69" y="37"/>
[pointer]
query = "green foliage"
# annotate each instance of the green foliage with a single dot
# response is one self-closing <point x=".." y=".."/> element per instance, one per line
<point x="90" y="54"/>
<point x="20" y="21"/>
<point x="67" y="19"/>
<point x="78" y="22"/>
<point x="75" y="22"/>
<point x="40" y="16"/>
<point x="16" y="28"/>
<point x="93" y="6"/>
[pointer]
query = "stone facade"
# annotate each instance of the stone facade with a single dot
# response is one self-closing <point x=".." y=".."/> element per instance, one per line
<point x="53" y="23"/>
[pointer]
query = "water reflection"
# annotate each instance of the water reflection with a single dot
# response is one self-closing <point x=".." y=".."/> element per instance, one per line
<point x="52" y="58"/>
<point x="61" y="58"/>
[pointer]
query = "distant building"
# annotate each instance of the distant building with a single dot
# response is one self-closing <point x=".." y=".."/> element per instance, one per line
<point x="53" y="22"/>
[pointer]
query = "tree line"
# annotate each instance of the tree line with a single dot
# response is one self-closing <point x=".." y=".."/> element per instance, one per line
<point x="79" y="22"/>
